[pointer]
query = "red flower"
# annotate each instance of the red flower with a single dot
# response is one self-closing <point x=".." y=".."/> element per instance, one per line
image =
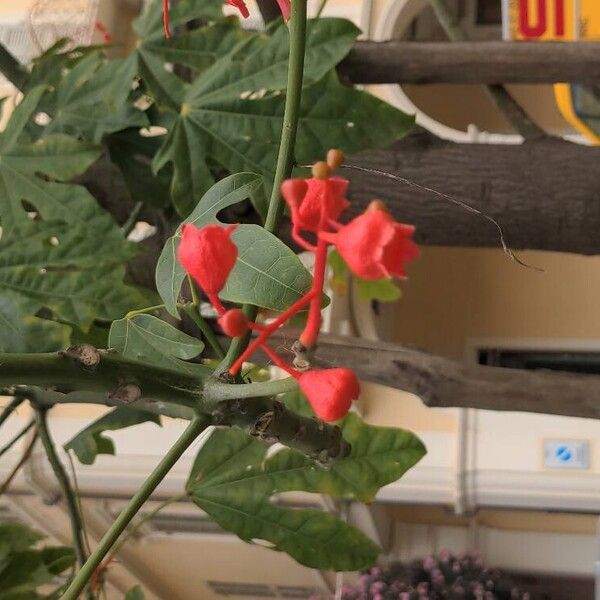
<point x="374" y="245"/>
<point x="208" y="255"/>
<point x="325" y="196"/>
<point x="234" y="322"/>
<point x="330" y="391"/>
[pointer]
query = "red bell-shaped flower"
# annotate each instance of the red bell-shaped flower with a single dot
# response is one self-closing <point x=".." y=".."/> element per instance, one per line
<point x="330" y="391"/>
<point x="234" y="322"/>
<point x="374" y="245"/>
<point x="208" y="255"/>
<point x="322" y="197"/>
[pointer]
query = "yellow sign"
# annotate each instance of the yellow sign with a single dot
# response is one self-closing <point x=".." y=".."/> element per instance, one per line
<point x="560" y="20"/>
<point x="545" y="20"/>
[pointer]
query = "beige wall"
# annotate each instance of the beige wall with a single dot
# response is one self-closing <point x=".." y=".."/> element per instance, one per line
<point x="454" y="294"/>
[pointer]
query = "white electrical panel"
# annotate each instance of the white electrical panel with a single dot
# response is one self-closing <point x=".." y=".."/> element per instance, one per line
<point x="566" y="454"/>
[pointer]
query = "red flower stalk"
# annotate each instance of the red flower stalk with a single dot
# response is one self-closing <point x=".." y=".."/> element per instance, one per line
<point x="106" y="37"/>
<point x="374" y="245"/>
<point x="208" y="255"/>
<point x="268" y="329"/>
<point x="166" y="18"/>
<point x="330" y="391"/>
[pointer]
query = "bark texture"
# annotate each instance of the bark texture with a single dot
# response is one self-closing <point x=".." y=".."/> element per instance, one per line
<point x="440" y="382"/>
<point x="544" y="193"/>
<point x="472" y="62"/>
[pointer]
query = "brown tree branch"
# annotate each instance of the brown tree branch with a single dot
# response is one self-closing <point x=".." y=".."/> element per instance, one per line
<point x="471" y="62"/>
<point x="440" y="382"/>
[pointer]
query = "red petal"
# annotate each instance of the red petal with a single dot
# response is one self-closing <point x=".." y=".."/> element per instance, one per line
<point x="241" y="6"/>
<point x="285" y="7"/>
<point x="330" y="391"/>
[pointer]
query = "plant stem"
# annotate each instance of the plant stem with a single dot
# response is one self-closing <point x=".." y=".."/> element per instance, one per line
<point x="24" y="458"/>
<point x="12" y="69"/>
<point x="112" y="535"/>
<point x="65" y="373"/>
<point x="285" y="158"/>
<point x="65" y="486"/>
<point x="193" y="312"/>
<point x="16" y="438"/>
<point x="129" y="225"/>
<point x="223" y="391"/>
<point x="143" y="311"/>
<point x="10" y="407"/>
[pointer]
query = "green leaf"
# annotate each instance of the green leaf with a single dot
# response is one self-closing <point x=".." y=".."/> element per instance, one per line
<point x="24" y="568"/>
<point x="232" y="114"/>
<point x="90" y="442"/>
<point x="135" y="593"/>
<point x="379" y="455"/>
<point x="21" y="332"/>
<point x="233" y="480"/>
<point x="267" y="273"/>
<point x="72" y="261"/>
<point x="150" y="340"/>
<point x="84" y="102"/>
<point x="58" y="558"/>
<point x="385" y="290"/>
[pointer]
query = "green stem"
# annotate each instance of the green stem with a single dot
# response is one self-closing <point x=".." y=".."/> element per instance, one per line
<point x="193" y="312"/>
<point x="285" y="158"/>
<point x="11" y="406"/>
<point x="66" y="373"/>
<point x="143" y="311"/>
<point x="132" y="219"/>
<point x="12" y="69"/>
<point x="65" y="486"/>
<point x="16" y="438"/>
<point x="219" y="392"/>
<point x="116" y="529"/>
<point x="134" y="528"/>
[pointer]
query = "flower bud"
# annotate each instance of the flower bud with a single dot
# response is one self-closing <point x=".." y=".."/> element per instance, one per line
<point x="321" y="170"/>
<point x="335" y="158"/>
<point x="330" y="391"/>
<point x="234" y="322"/>
<point x="208" y="255"/>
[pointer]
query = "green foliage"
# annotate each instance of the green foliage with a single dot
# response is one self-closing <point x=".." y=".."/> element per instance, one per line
<point x="72" y="261"/>
<point x="22" y="332"/>
<point x="24" y="567"/>
<point x="232" y="113"/>
<point x="267" y="273"/>
<point x="149" y="340"/>
<point x="385" y="290"/>
<point x="135" y="593"/>
<point x="379" y="455"/>
<point x="90" y="442"/>
<point x="233" y="480"/>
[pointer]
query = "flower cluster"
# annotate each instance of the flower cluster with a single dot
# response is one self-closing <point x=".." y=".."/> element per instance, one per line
<point x="373" y="244"/>
<point x="434" y="578"/>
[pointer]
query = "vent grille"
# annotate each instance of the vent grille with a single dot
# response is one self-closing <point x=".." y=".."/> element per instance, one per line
<point x="257" y="590"/>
